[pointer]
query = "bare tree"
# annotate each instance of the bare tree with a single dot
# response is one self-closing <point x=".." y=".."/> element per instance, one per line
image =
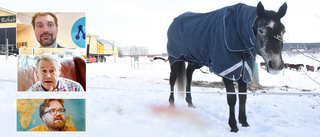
<point x="133" y="51"/>
<point x="307" y="54"/>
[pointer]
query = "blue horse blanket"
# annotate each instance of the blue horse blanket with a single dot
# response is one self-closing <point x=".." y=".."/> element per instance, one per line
<point x="222" y="40"/>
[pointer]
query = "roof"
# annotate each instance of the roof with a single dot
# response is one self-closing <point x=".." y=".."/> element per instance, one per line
<point x="6" y="10"/>
<point x="106" y="42"/>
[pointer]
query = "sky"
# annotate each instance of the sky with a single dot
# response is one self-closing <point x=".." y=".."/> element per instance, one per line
<point x="145" y="22"/>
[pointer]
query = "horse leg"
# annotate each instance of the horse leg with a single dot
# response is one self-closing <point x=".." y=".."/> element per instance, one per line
<point x="172" y="80"/>
<point x="242" y="103"/>
<point x="190" y="70"/>
<point x="231" y="98"/>
<point x="175" y="73"/>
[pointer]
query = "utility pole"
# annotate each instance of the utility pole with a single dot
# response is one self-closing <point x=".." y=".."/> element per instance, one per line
<point x="88" y="48"/>
<point x="7" y="48"/>
<point x="98" y="50"/>
<point x="113" y="47"/>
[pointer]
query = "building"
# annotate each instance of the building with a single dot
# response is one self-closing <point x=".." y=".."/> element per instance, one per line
<point x="97" y="48"/>
<point x="8" y="32"/>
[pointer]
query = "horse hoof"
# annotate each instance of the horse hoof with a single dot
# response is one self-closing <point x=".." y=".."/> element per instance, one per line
<point x="171" y="106"/>
<point x="234" y="130"/>
<point x="244" y="124"/>
<point x="191" y="106"/>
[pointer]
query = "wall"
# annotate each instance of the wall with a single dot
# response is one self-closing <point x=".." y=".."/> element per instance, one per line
<point x="25" y="34"/>
<point x="93" y="43"/>
<point x="6" y="13"/>
<point x="66" y="21"/>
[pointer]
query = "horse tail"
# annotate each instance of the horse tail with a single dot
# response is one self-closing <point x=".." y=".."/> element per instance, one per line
<point x="181" y="79"/>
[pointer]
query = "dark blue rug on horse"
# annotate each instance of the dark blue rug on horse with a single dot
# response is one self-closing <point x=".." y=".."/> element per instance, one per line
<point x="222" y="40"/>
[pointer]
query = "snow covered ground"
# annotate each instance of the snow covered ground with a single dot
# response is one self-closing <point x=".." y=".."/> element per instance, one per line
<point x="120" y="100"/>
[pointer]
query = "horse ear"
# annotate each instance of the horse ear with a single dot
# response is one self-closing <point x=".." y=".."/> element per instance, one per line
<point x="260" y="9"/>
<point x="282" y="10"/>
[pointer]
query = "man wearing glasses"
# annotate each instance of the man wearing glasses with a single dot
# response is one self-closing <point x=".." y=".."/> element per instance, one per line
<point x="52" y="112"/>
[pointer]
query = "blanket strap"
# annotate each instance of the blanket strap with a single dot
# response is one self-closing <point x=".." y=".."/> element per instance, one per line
<point x="204" y="72"/>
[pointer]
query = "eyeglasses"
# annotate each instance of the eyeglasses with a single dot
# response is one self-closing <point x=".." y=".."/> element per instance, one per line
<point x="54" y="112"/>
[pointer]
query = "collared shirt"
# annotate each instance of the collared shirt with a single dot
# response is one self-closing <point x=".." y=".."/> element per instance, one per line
<point x="55" y="46"/>
<point x="63" y="85"/>
<point x="43" y="127"/>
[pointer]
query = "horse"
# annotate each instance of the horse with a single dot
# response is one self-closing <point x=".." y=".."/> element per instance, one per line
<point x="310" y="68"/>
<point x="296" y="66"/>
<point x="227" y="41"/>
<point x="286" y="65"/>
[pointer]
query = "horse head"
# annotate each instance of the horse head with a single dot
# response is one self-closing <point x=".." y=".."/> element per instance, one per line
<point x="269" y="34"/>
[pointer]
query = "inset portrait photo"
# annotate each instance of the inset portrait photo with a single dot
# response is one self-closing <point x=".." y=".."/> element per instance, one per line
<point x="51" y="30"/>
<point x="51" y="73"/>
<point x="51" y="115"/>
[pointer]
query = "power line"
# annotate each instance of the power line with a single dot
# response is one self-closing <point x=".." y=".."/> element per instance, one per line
<point x="211" y="92"/>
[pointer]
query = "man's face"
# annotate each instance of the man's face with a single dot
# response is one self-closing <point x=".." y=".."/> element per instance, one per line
<point x="48" y="74"/>
<point x="46" y="31"/>
<point x="55" y="121"/>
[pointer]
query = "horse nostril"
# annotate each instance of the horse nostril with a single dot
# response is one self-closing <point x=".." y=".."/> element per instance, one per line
<point x="270" y="64"/>
<point x="274" y="65"/>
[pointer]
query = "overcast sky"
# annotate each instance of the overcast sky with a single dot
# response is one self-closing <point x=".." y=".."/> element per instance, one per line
<point x="145" y="22"/>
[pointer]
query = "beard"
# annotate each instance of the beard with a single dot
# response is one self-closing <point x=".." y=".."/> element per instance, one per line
<point x="49" y="42"/>
<point x="56" y="125"/>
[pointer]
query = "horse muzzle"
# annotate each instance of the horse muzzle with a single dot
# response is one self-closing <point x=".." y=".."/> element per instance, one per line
<point x="274" y="67"/>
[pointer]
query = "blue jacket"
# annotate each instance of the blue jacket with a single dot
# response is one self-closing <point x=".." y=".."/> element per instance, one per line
<point x="222" y="40"/>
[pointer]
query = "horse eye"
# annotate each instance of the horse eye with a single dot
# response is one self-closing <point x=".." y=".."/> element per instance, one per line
<point x="260" y="31"/>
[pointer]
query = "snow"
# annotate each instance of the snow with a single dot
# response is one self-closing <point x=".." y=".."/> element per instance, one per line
<point x="121" y="101"/>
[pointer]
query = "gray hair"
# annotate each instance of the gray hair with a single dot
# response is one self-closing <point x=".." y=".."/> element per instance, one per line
<point x="48" y="58"/>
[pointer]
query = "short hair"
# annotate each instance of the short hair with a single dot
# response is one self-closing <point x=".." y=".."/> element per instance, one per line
<point x="46" y="103"/>
<point x="48" y="58"/>
<point x="43" y="14"/>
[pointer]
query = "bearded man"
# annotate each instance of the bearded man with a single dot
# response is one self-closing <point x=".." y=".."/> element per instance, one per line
<point x="45" y="26"/>
<point x="52" y="113"/>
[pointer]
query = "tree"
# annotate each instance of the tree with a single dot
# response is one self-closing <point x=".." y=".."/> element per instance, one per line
<point x="133" y="51"/>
